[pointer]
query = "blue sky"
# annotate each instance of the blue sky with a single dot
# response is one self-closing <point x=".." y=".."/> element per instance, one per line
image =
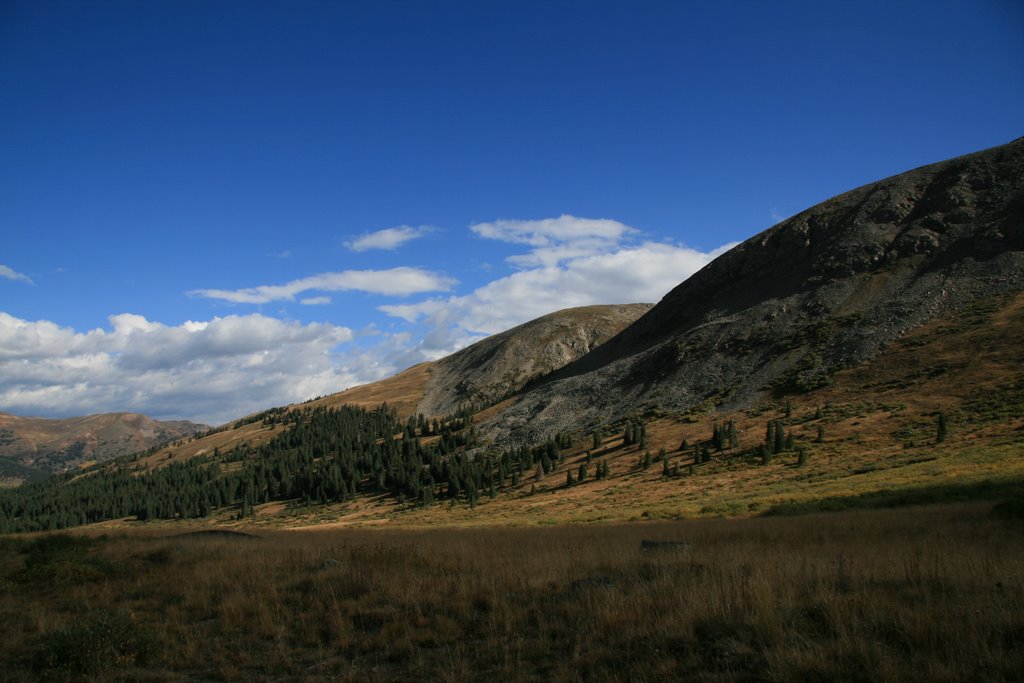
<point x="209" y="208"/>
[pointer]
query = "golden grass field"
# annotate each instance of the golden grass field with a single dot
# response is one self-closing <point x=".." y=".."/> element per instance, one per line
<point x="925" y="593"/>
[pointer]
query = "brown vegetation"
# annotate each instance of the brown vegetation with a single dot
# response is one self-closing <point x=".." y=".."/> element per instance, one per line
<point x="916" y="594"/>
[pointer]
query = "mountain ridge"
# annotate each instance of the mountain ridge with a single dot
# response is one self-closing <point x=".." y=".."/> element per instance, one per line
<point x="820" y="291"/>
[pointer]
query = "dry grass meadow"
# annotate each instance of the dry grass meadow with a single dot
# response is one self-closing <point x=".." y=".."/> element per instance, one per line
<point x="921" y="593"/>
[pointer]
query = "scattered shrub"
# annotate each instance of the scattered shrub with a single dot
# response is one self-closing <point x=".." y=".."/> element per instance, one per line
<point x="102" y="641"/>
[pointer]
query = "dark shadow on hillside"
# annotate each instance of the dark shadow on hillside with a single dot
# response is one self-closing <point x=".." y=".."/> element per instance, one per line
<point x="218" y="533"/>
<point x="925" y="495"/>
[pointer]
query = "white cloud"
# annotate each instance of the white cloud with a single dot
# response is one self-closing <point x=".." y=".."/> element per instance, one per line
<point x="644" y="273"/>
<point x="395" y="281"/>
<point x="389" y="238"/>
<point x="210" y="371"/>
<point x="550" y="231"/>
<point x="316" y="301"/>
<point x="556" y="240"/>
<point x="571" y="262"/>
<point x="12" y="274"/>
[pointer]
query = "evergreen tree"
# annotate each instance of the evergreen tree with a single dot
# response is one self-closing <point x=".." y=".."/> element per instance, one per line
<point x="733" y="436"/>
<point x="942" y="428"/>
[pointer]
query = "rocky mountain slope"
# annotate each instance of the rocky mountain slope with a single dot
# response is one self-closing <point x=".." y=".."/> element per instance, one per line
<point x="503" y="363"/>
<point x="36" y="444"/>
<point x="823" y="290"/>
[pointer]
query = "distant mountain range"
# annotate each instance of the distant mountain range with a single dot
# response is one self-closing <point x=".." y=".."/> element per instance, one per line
<point x="31" y="447"/>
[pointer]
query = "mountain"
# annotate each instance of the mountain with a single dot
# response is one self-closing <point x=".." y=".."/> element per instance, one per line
<point x="34" y="445"/>
<point x="784" y="311"/>
<point x="504" y="363"/>
<point x="863" y="352"/>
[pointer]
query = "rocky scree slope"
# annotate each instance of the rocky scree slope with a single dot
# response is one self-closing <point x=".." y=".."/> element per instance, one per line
<point x="823" y="290"/>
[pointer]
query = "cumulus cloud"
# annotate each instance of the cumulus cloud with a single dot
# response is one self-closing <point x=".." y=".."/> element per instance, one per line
<point x="394" y="281"/>
<point x="210" y="371"/>
<point x="388" y="239"/>
<point x="12" y="274"/>
<point x="316" y="301"/>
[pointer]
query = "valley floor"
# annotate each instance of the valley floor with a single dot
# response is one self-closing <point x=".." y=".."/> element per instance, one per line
<point x="914" y="593"/>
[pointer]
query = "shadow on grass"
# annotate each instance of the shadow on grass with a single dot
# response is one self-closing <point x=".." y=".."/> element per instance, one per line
<point x="924" y="495"/>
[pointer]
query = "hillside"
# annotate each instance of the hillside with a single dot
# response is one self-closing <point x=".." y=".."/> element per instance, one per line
<point x="781" y="313"/>
<point x="503" y="363"/>
<point x="33" y="445"/>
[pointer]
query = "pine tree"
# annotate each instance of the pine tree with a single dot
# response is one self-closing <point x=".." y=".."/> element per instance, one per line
<point x="716" y="437"/>
<point x="801" y="457"/>
<point x="568" y="478"/>
<point x="942" y="429"/>
<point x="647" y="459"/>
<point x="597" y="439"/>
